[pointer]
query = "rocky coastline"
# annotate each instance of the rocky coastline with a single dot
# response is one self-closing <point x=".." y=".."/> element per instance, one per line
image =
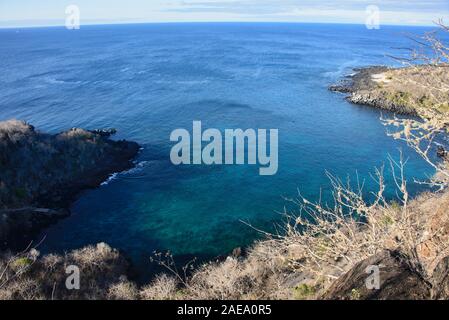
<point x="42" y="174"/>
<point x="362" y="90"/>
<point x="398" y="90"/>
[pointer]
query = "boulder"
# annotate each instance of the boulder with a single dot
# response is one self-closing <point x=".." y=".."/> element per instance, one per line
<point x="397" y="281"/>
<point x="440" y="280"/>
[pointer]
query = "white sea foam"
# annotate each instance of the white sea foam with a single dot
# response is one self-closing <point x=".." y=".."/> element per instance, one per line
<point x="342" y="69"/>
<point x="136" y="169"/>
<point x="193" y="82"/>
<point x="183" y="82"/>
<point x="57" y="81"/>
<point x="110" y="178"/>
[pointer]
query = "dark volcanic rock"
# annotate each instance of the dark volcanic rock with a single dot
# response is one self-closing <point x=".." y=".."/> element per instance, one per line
<point x="104" y="132"/>
<point x="360" y="80"/>
<point x="397" y="281"/>
<point x="441" y="152"/>
<point x="39" y="170"/>
<point x="440" y="280"/>
<point x="362" y="90"/>
<point x="17" y="226"/>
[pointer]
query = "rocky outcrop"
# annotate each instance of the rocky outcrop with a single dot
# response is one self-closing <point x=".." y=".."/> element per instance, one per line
<point x="440" y="280"/>
<point x="360" y="80"/>
<point x="381" y="101"/>
<point x="39" y="170"/>
<point x="397" y="281"/>
<point x="17" y="226"/>
<point x="363" y="90"/>
<point x="399" y="90"/>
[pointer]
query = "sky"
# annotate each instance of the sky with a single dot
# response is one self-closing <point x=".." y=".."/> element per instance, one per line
<point x="14" y="13"/>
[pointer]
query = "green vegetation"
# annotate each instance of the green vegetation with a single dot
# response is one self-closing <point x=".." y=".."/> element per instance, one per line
<point x="22" y="262"/>
<point x="304" y="291"/>
<point x="355" y="294"/>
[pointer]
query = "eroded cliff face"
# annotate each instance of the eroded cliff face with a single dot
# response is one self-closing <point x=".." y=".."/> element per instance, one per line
<point x="41" y="174"/>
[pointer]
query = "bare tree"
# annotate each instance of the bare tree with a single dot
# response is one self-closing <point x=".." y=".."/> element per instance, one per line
<point x="429" y="48"/>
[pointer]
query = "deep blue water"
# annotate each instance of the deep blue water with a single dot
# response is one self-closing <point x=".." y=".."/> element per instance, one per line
<point x="147" y="80"/>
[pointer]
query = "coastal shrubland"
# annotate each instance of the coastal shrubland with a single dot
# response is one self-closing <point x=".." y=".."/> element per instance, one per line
<point x="27" y="275"/>
<point x="317" y="259"/>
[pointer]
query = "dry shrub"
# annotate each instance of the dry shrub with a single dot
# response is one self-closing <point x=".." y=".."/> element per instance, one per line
<point x="220" y="281"/>
<point x="123" y="290"/>
<point x="22" y="289"/>
<point x="26" y="276"/>
<point x="163" y="287"/>
<point x="14" y="280"/>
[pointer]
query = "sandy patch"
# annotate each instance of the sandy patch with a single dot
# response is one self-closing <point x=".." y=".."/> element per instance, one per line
<point x="380" y="77"/>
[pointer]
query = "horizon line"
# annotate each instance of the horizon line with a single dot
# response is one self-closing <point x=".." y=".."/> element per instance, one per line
<point x="207" y="22"/>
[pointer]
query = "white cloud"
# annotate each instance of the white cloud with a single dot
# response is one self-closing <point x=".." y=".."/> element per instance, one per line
<point x="342" y="11"/>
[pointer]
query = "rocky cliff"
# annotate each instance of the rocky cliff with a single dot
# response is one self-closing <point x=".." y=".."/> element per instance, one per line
<point x="41" y="174"/>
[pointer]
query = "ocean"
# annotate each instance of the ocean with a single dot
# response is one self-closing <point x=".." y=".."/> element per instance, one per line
<point x="147" y="80"/>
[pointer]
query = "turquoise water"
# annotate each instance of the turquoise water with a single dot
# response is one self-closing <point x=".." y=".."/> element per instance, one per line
<point x="147" y="80"/>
